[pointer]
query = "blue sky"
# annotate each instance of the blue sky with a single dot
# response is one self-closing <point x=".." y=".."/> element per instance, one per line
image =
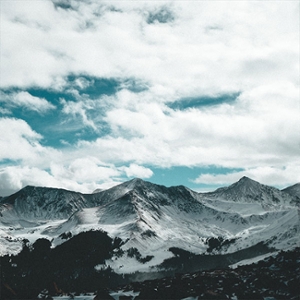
<point x="195" y="93"/>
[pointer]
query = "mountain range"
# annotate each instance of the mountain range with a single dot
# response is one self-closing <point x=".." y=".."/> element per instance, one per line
<point x="156" y="222"/>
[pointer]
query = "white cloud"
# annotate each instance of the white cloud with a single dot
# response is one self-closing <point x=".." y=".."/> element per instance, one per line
<point x="186" y="56"/>
<point x="256" y="130"/>
<point x="207" y="49"/>
<point x="31" y="102"/>
<point x="14" y="178"/>
<point x="17" y="139"/>
<point x="82" y="175"/>
<point x="79" y="108"/>
<point x="281" y="177"/>
<point x="82" y="82"/>
<point x="85" y="169"/>
<point x="44" y="166"/>
<point x="135" y="170"/>
<point x="26" y="100"/>
<point x="18" y="142"/>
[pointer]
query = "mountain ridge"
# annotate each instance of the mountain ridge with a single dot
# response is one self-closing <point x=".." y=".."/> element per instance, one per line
<point x="250" y="191"/>
<point x="293" y="190"/>
<point x="39" y="203"/>
<point x="153" y="218"/>
<point x="138" y="182"/>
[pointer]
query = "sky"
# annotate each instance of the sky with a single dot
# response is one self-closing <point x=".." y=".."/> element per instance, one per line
<point x="196" y="93"/>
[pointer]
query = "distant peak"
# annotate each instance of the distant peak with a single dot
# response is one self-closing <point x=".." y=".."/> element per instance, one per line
<point x="136" y="180"/>
<point x="245" y="182"/>
<point x="246" y="179"/>
<point x="97" y="191"/>
<point x="138" y="183"/>
<point x="28" y="187"/>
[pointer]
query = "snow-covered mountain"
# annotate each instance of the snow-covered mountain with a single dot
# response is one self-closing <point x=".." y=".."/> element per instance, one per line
<point x="39" y="203"/>
<point x="153" y="218"/>
<point x="247" y="190"/>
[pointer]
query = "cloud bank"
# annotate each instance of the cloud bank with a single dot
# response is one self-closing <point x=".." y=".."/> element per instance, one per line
<point x="95" y="93"/>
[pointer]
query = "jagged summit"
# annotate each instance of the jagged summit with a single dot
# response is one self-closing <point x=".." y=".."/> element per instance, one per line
<point x="151" y="192"/>
<point x="29" y="190"/>
<point x="141" y="185"/>
<point x="136" y="182"/>
<point x="152" y="218"/>
<point x="42" y="202"/>
<point x="34" y="203"/>
<point x="247" y="180"/>
<point x="246" y="184"/>
<point x="250" y="191"/>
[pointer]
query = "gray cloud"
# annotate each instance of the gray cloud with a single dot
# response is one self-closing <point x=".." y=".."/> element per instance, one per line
<point x="161" y="15"/>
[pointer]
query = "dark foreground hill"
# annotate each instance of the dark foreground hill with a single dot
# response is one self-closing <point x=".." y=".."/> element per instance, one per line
<point x="70" y="268"/>
<point x="275" y="277"/>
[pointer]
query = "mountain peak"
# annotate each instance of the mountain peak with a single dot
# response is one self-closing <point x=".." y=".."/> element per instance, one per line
<point x="250" y="191"/>
<point x="246" y="183"/>
<point x="246" y="179"/>
<point x="136" y="180"/>
<point x="134" y="183"/>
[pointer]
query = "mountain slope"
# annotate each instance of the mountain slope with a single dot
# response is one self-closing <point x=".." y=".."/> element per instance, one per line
<point x="293" y="190"/>
<point x="32" y="204"/>
<point x="38" y="203"/>
<point x="152" y="218"/>
<point x="247" y="190"/>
